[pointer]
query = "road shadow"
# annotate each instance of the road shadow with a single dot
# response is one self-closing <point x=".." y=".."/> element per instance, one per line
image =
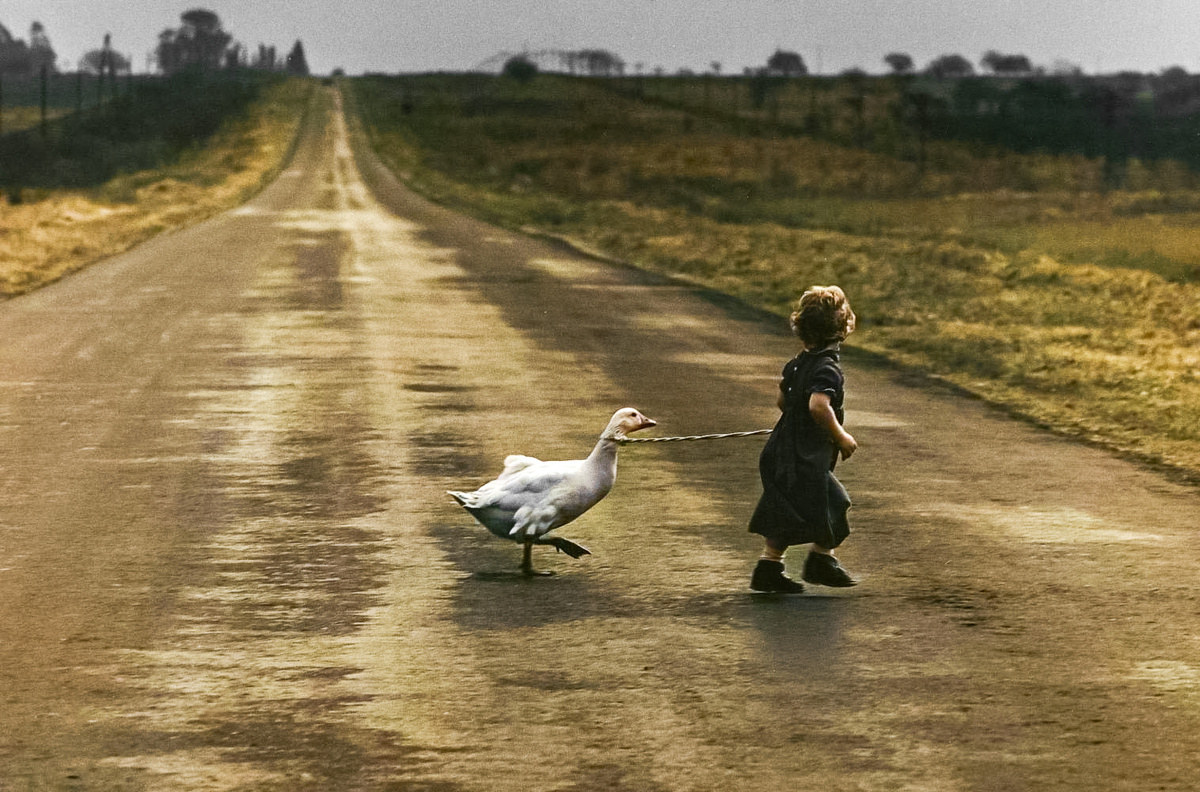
<point x="803" y="633"/>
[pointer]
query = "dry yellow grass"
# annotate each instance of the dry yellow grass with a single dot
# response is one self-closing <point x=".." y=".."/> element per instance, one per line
<point x="63" y="231"/>
<point x="1108" y="354"/>
<point x="15" y="118"/>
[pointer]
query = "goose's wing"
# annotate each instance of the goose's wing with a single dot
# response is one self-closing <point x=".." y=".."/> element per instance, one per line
<point x="529" y="501"/>
<point x="526" y="485"/>
<point x="562" y="494"/>
<point x="539" y="518"/>
<point x="515" y="463"/>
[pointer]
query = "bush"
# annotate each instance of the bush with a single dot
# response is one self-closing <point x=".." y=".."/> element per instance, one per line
<point x="520" y="68"/>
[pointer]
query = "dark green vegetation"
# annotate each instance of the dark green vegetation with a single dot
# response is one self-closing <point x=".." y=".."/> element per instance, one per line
<point x="151" y="123"/>
<point x="913" y="136"/>
<point x="1119" y="118"/>
<point x="1063" y="285"/>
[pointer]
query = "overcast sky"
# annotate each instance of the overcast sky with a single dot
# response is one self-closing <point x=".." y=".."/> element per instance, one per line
<point x="831" y="35"/>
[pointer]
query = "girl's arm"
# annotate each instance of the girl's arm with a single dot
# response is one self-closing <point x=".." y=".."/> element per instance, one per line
<point x="822" y="412"/>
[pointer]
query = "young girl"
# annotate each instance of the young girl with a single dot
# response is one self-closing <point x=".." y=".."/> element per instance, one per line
<point x="802" y="501"/>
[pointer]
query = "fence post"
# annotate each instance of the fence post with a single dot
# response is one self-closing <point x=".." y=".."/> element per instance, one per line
<point x="44" y="85"/>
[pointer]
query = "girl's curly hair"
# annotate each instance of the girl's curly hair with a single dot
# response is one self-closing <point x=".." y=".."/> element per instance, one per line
<point x="822" y="317"/>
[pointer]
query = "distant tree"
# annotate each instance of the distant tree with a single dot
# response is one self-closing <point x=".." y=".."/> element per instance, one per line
<point x="166" y="54"/>
<point x="1129" y="82"/>
<point x="899" y="62"/>
<point x="296" y="63"/>
<point x="593" y="62"/>
<point x="40" y="52"/>
<point x="519" y="68"/>
<point x="104" y="61"/>
<point x="599" y="63"/>
<point x="199" y="43"/>
<point x="17" y="57"/>
<point x="786" y="64"/>
<point x="990" y="61"/>
<point x="14" y="54"/>
<point x="266" y="60"/>
<point x="1176" y="92"/>
<point x="1175" y="75"/>
<point x="1065" y="68"/>
<point x="1005" y="65"/>
<point x="946" y="66"/>
<point x="235" y="56"/>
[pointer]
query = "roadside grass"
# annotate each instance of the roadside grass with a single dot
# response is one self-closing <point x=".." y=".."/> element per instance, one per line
<point x="53" y="232"/>
<point x="13" y="119"/>
<point x="1074" y="307"/>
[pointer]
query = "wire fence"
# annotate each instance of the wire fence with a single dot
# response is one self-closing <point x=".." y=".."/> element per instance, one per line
<point x="27" y="100"/>
<point x="80" y="134"/>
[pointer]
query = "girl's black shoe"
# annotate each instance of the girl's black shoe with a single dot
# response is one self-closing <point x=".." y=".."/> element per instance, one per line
<point x="768" y="578"/>
<point x="824" y="570"/>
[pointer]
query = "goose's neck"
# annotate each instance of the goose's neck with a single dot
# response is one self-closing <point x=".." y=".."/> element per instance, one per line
<point x="605" y="452"/>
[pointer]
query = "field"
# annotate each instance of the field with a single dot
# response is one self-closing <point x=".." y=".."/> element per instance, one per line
<point x="152" y="177"/>
<point x="1063" y="286"/>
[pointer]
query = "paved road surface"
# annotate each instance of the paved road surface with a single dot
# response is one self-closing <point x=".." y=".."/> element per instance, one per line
<point x="227" y="560"/>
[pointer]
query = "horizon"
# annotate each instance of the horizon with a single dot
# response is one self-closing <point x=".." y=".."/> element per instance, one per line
<point x="361" y="36"/>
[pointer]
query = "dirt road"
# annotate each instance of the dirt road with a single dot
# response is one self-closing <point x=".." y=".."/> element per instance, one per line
<point x="227" y="560"/>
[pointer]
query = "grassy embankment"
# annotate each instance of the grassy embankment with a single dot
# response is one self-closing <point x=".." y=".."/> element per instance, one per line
<point x="164" y="172"/>
<point x="24" y="117"/>
<point x="1066" y="290"/>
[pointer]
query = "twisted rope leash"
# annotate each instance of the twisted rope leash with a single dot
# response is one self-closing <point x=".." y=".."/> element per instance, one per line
<point x="624" y="440"/>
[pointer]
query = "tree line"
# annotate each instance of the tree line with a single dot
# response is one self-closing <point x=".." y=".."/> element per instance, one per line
<point x="789" y="63"/>
<point x="20" y="58"/>
<point x="1008" y="102"/>
<point x="200" y="42"/>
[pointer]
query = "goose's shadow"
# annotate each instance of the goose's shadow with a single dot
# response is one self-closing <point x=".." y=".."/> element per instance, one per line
<point x="506" y="575"/>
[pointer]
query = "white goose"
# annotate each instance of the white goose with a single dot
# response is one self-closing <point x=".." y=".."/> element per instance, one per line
<point x="530" y="497"/>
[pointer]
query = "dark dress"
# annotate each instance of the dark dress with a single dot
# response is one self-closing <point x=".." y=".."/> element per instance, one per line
<point x="802" y="501"/>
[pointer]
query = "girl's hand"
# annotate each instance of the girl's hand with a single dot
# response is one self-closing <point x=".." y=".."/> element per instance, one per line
<point x="821" y="409"/>
<point x="846" y="444"/>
